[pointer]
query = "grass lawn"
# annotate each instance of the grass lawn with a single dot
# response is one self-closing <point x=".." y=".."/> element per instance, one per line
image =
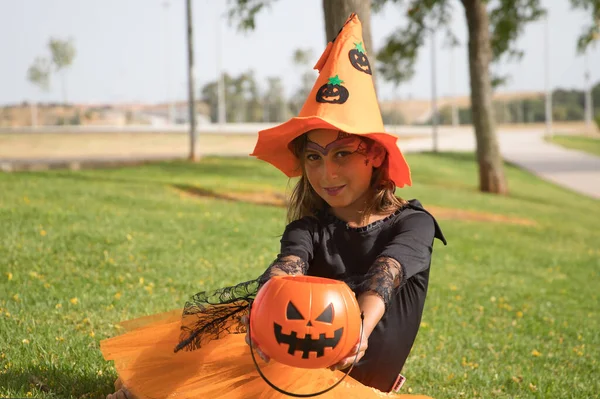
<point x="582" y="143"/>
<point x="513" y="308"/>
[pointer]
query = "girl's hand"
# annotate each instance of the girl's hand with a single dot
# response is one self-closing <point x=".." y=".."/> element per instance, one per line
<point x="246" y="321"/>
<point x="349" y="359"/>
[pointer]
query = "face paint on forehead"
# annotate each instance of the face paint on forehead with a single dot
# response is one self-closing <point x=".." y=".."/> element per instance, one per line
<point x="343" y="139"/>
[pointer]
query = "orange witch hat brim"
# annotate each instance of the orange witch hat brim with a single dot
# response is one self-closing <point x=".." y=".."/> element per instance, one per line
<point x="343" y="68"/>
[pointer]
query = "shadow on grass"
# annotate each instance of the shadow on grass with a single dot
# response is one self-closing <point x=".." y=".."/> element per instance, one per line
<point x="268" y="199"/>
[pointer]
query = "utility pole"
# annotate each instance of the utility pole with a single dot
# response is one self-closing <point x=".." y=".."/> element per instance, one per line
<point x="454" y="108"/>
<point x="221" y="104"/>
<point x="547" y="79"/>
<point x="167" y="56"/>
<point x="434" y="111"/>
<point x="191" y="86"/>
<point x="589" y="106"/>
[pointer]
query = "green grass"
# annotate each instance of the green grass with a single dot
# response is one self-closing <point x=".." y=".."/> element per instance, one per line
<point x="512" y="310"/>
<point x="587" y="144"/>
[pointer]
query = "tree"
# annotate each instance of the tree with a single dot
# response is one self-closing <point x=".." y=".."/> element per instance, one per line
<point x="275" y="107"/>
<point x="243" y="100"/>
<point x="63" y="52"/>
<point x="493" y="28"/>
<point x="39" y="74"/>
<point x="335" y="14"/>
<point x="301" y="59"/>
<point x="590" y="33"/>
<point x="337" y="11"/>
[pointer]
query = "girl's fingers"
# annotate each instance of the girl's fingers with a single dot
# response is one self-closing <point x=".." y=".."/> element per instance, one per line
<point x="347" y="362"/>
<point x="261" y="354"/>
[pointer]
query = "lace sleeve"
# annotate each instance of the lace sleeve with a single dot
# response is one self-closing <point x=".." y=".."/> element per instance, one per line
<point x="286" y="265"/>
<point x="383" y="277"/>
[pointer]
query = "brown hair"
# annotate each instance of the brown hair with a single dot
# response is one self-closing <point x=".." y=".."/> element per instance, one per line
<point x="304" y="201"/>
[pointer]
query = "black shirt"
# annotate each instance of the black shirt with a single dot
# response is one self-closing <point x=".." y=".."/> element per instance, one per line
<point x="333" y="249"/>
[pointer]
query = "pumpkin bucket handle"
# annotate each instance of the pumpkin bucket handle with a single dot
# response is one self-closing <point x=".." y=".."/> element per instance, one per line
<point x="306" y="395"/>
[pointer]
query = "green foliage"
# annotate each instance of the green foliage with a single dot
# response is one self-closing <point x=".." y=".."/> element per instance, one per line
<point x="76" y="120"/>
<point x="393" y="117"/>
<point x="567" y="105"/>
<point x="596" y="94"/>
<point x="243" y="100"/>
<point x="597" y="118"/>
<point x="244" y="12"/>
<point x="63" y="52"/>
<point x="303" y="57"/>
<point x="39" y="73"/>
<point x="274" y="102"/>
<point x="400" y="51"/>
<point x="507" y="21"/>
<point x="591" y="33"/>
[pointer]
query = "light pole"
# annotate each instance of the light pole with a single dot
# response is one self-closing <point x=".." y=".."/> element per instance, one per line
<point x="191" y="86"/>
<point x="166" y="6"/>
<point x="221" y="105"/>
<point x="547" y="79"/>
<point x="454" y="108"/>
<point x="434" y="111"/>
<point x="589" y="106"/>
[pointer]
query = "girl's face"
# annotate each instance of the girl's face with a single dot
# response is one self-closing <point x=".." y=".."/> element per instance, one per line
<point x="339" y="167"/>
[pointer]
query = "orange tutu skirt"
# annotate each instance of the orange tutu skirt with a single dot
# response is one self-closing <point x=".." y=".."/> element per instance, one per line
<point x="223" y="368"/>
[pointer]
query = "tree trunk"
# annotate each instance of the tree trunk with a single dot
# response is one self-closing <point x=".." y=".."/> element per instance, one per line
<point x="336" y="12"/>
<point x="491" y="168"/>
<point x="63" y="76"/>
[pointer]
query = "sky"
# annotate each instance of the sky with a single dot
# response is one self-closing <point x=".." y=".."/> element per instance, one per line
<point x="135" y="50"/>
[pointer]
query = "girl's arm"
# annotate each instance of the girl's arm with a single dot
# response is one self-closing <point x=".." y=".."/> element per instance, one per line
<point x="296" y="251"/>
<point x="375" y="291"/>
<point x="284" y="266"/>
<point x="408" y="253"/>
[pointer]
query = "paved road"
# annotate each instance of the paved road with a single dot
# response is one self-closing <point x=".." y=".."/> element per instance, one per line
<point x="527" y="149"/>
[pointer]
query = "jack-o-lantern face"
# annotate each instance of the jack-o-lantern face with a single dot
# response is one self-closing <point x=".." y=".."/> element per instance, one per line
<point x="308" y="343"/>
<point x="359" y="60"/>
<point x="333" y="92"/>
<point x="303" y="321"/>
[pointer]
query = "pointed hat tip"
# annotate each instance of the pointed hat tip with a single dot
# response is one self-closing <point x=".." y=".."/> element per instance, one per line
<point x="323" y="59"/>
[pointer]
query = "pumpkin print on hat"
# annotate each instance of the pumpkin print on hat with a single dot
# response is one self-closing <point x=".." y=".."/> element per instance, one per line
<point x="333" y="92"/>
<point x="359" y="60"/>
<point x="305" y="321"/>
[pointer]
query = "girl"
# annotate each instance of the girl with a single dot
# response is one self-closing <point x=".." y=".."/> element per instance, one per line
<point x="345" y="223"/>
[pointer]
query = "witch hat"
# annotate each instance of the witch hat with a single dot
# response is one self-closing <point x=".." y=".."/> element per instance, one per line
<point x="343" y="98"/>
